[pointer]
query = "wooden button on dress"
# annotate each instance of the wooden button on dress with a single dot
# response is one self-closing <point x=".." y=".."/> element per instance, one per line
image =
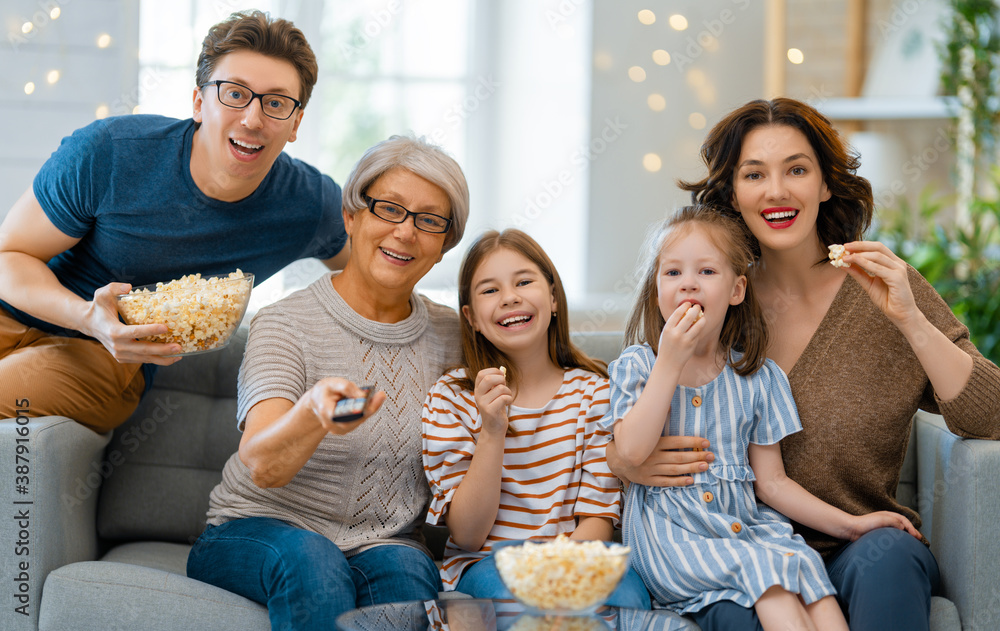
<point x="707" y="496"/>
<point x="737" y="528"/>
<point x="696" y="401"/>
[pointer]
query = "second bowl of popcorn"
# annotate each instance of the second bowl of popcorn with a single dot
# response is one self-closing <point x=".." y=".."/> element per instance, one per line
<point x="562" y="575"/>
<point x="201" y="312"/>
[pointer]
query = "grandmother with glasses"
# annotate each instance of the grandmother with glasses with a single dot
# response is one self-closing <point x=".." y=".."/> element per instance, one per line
<point x="314" y="515"/>
<point x="139" y="199"/>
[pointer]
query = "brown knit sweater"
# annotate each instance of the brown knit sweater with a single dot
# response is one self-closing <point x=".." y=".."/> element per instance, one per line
<point x="857" y="385"/>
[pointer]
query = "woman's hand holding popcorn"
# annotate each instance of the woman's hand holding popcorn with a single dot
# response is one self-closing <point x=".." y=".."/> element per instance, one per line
<point x="884" y="276"/>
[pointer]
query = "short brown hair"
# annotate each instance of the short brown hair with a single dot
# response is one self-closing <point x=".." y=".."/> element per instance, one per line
<point x="477" y="351"/>
<point x="258" y="32"/>
<point x="744" y="329"/>
<point x="842" y="218"/>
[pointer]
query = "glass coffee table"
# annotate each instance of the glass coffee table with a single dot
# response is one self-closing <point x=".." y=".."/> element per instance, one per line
<point x="467" y="614"/>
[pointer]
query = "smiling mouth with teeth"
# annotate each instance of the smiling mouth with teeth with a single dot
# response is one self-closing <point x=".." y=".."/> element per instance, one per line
<point x="514" y="320"/>
<point x="398" y="257"/>
<point x="245" y="147"/>
<point x="782" y="215"/>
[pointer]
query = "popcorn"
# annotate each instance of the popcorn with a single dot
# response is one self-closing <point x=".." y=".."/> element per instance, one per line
<point x="562" y="574"/>
<point x="836" y="256"/>
<point x="503" y="371"/>
<point x="200" y="313"/>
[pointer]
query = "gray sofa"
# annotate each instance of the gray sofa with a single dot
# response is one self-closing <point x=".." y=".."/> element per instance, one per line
<point x="110" y="519"/>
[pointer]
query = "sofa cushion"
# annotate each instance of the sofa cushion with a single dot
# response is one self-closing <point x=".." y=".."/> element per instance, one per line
<point x="164" y="461"/>
<point x="109" y="596"/>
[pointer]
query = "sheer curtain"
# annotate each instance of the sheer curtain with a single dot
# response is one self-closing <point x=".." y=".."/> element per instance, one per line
<point x="502" y="86"/>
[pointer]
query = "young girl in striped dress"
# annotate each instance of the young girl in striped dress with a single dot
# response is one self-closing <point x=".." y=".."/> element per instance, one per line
<point x="512" y="446"/>
<point x="697" y="368"/>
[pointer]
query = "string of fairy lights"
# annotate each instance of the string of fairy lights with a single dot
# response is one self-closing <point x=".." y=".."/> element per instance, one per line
<point x="695" y="78"/>
<point x="31" y="27"/>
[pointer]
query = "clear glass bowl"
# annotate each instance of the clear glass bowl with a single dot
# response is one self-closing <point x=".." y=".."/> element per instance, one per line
<point x="562" y="576"/>
<point x="201" y="312"/>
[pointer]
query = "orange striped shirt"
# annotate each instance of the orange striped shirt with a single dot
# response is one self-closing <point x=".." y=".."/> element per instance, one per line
<point x="554" y="469"/>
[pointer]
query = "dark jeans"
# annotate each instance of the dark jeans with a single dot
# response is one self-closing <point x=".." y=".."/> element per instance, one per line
<point x="303" y="578"/>
<point x="884" y="582"/>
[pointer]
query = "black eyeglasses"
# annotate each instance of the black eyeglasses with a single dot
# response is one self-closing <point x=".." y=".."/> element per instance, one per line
<point x="394" y="213"/>
<point x="238" y="96"/>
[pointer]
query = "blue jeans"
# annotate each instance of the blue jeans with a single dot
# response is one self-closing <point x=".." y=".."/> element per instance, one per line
<point x="884" y="582"/>
<point x="302" y="577"/>
<point x="481" y="580"/>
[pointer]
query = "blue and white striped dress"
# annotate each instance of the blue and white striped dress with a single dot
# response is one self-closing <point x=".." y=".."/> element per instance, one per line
<point x="711" y="541"/>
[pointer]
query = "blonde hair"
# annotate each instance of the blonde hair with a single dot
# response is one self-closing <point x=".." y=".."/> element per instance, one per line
<point x="744" y="329"/>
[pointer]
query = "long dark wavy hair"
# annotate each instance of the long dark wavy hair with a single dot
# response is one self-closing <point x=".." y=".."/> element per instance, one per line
<point x="477" y="351"/>
<point x="744" y="328"/>
<point x="843" y="218"/>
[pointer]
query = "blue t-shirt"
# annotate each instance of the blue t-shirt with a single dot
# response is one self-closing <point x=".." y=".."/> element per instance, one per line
<point x="123" y="186"/>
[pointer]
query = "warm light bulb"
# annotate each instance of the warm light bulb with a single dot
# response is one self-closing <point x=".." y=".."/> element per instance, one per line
<point x="637" y="74"/>
<point x="652" y="162"/>
<point x="647" y="17"/>
<point x="697" y="120"/>
<point x="55" y="13"/>
<point x="103" y="40"/>
<point x="29" y="87"/>
<point x="795" y="56"/>
<point x="678" y="22"/>
<point x="656" y="102"/>
<point x="27" y="27"/>
<point x="102" y="111"/>
<point x="603" y="60"/>
<point x="52" y="76"/>
<point x="661" y="57"/>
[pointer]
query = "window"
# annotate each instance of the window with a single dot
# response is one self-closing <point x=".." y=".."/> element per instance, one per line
<point x="498" y="85"/>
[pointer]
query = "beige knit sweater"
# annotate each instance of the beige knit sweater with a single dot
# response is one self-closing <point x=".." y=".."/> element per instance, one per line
<point x="857" y="385"/>
<point x="367" y="487"/>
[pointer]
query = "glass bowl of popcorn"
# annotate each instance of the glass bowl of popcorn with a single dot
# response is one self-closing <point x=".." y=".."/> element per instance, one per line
<point x="562" y="576"/>
<point x="201" y="312"/>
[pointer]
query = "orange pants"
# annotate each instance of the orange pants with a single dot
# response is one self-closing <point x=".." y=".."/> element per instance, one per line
<point x="52" y="375"/>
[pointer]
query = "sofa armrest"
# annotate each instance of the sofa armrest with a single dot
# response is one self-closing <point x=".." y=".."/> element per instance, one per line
<point x="959" y="501"/>
<point x="49" y="494"/>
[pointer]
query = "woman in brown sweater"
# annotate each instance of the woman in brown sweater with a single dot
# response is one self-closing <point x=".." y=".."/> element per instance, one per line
<point x="863" y="346"/>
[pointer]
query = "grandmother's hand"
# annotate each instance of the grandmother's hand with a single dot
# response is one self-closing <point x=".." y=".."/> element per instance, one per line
<point x="884" y="276"/>
<point x="322" y="398"/>
<point x="670" y="464"/>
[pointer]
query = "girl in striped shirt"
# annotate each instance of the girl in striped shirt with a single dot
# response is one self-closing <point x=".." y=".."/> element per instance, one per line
<point x="698" y="363"/>
<point x="512" y="446"/>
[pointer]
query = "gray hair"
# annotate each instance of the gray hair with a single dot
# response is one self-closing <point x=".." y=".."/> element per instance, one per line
<point x="422" y="158"/>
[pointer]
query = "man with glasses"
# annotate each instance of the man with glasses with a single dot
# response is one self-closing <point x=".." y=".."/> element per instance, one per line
<point x="134" y="200"/>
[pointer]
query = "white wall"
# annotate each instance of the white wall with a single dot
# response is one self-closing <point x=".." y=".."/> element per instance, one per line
<point x="31" y="126"/>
